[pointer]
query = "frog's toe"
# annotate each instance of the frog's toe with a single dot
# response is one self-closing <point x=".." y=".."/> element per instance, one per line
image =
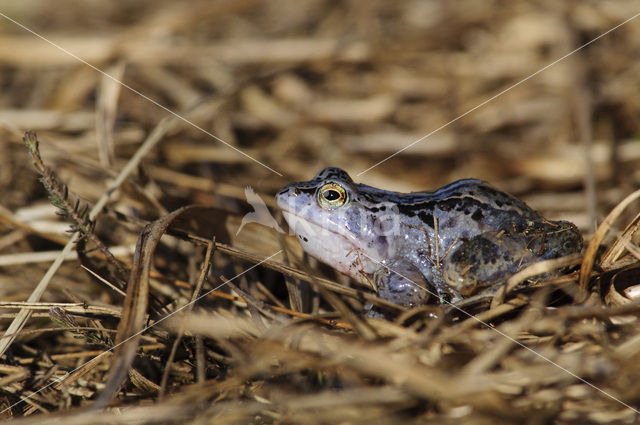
<point x="564" y="239"/>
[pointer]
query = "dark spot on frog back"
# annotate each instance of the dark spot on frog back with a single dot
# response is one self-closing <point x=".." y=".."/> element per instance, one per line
<point x="410" y="210"/>
<point x="449" y="204"/>
<point x="380" y="208"/>
<point x="477" y="215"/>
<point x="427" y="218"/>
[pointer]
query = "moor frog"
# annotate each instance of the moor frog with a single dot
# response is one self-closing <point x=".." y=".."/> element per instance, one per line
<point x="449" y="242"/>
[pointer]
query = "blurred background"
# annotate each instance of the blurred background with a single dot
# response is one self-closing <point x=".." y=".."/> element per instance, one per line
<point x="300" y="85"/>
<point x="270" y="92"/>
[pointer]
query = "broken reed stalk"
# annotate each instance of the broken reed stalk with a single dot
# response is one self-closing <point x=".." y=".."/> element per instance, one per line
<point x="23" y="315"/>
<point x="68" y="205"/>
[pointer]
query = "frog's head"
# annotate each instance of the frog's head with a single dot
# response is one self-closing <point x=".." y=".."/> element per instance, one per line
<point x="335" y="220"/>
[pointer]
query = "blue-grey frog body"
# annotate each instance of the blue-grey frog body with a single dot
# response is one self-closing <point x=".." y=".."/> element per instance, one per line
<point x="449" y="242"/>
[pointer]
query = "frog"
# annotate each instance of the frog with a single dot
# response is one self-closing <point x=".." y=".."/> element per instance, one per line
<point x="421" y="247"/>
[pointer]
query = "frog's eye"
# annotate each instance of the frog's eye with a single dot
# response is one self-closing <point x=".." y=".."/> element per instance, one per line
<point x="332" y="195"/>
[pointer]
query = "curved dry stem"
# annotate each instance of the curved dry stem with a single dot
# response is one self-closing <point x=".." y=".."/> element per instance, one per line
<point x="594" y="243"/>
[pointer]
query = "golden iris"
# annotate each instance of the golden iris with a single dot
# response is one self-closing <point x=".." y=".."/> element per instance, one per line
<point x="332" y="195"/>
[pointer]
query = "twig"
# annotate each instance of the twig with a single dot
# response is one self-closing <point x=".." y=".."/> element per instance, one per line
<point x="21" y="319"/>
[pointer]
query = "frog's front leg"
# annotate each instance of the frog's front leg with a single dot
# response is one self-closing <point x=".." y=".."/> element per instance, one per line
<point x="402" y="283"/>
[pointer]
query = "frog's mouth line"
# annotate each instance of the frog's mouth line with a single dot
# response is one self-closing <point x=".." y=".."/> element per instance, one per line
<point x="357" y="273"/>
<point x="306" y="220"/>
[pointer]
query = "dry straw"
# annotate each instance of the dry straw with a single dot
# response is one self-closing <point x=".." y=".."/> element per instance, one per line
<point x="283" y="339"/>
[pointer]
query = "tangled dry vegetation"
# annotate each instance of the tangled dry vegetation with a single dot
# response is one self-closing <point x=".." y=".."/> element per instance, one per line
<point x="296" y="86"/>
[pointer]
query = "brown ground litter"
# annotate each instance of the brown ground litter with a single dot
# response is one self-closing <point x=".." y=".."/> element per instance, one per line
<point x="218" y="96"/>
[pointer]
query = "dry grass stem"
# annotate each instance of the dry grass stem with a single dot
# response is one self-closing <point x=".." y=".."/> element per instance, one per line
<point x="161" y="117"/>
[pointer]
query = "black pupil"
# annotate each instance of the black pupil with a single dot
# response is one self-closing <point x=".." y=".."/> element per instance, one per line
<point x="331" y="195"/>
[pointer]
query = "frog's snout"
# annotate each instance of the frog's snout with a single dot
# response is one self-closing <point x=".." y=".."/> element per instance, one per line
<point x="282" y="196"/>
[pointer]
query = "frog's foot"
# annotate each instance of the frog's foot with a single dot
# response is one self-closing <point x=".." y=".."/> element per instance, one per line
<point x="402" y="283"/>
<point x="553" y="239"/>
<point x="485" y="260"/>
